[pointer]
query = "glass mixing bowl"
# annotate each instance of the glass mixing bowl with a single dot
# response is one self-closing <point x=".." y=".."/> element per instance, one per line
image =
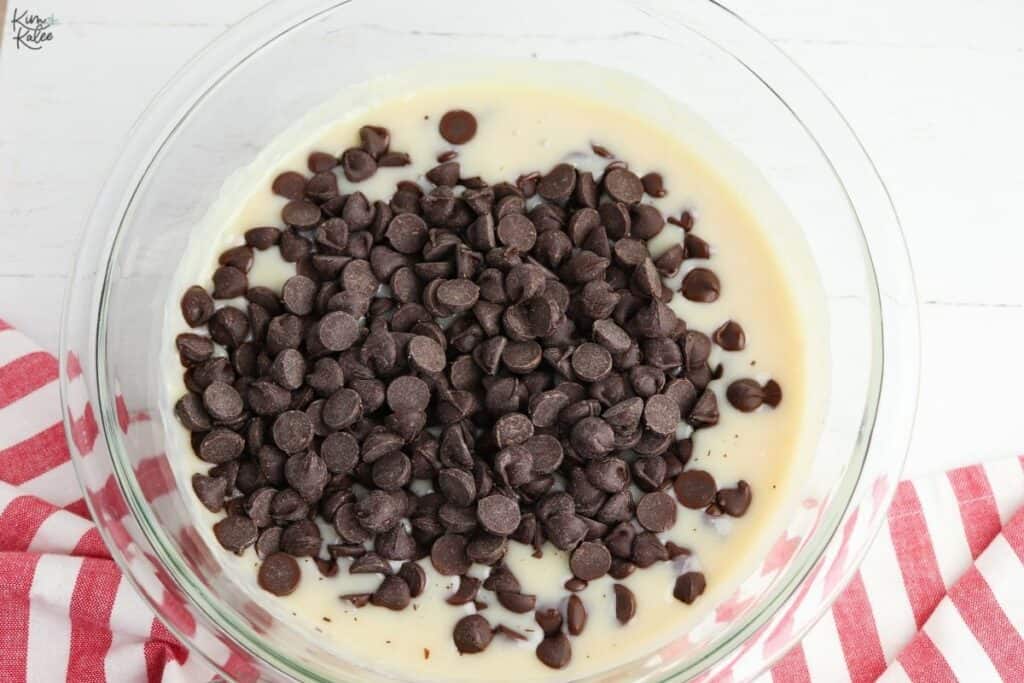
<point x="269" y="70"/>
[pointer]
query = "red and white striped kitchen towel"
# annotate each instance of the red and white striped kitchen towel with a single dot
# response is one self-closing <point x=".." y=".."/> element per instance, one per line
<point x="939" y="597"/>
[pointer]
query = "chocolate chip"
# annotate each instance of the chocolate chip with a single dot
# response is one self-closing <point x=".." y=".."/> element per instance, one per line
<point x="654" y="185"/>
<point x="472" y="634"/>
<point x="301" y="539"/>
<point x="358" y="164"/>
<point x="745" y="395"/>
<point x="549" y="620"/>
<point x="289" y="369"/>
<point x="457" y="486"/>
<point x="558" y="183"/>
<point x="307" y="474"/>
<point x="668" y="264"/>
<point x="235" y="533"/>
<point x="448" y="555"/>
<point x="392" y="471"/>
<point x="210" y="491"/>
<point x="730" y="336"/>
<point x="487" y="548"/>
<point x="619" y="540"/>
<point x="301" y="214"/>
<point x="647" y="550"/>
<point x="346" y="523"/>
<point x="374" y="139"/>
<point x="522" y="357"/>
<point x="349" y="550"/>
<point x="705" y="412"/>
<point x="695" y="489"/>
<point x="297" y="295"/>
<point x="268" y="543"/>
<point x="701" y="285"/>
<point x="608" y="474"/>
<point x="426" y="355"/>
<point x="407" y="233"/>
<point x="457" y="126"/>
<point x="283" y="332"/>
<point x="592" y="437"/>
<point x="369" y="563"/>
<point x="292" y="431"/>
<point x="661" y="414"/>
<point x="565" y="530"/>
<point x="646" y="279"/>
<point x="337" y="331"/>
<point x="221" y="445"/>
<point x="575" y="585"/>
<point x="583" y="267"/>
<point x="656" y="511"/>
<point x="279" y="574"/>
<point x="618" y="507"/>
<point x="735" y="501"/>
<point x="512" y="429"/>
<point x="466" y="592"/>
<point x="393" y="594"/>
<point x="649" y="472"/>
<point x="196" y="306"/>
<point x="458" y="295"/>
<point x="389" y="159"/>
<point x="342" y="409"/>
<point x="625" y="603"/>
<point x="498" y="514"/>
<point x="267" y="398"/>
<point x="357" y="599"/>
<point x="287" y="506"/>
<point x="414" y="577"/>
<point x="517" y="602"/>
<point x="591" y="362"/>
<point x="262" y="238"/>
<point x="623" y="186"/>
<point x="696" y="247"/>
<point x="646" y="221"/>
<point x="517" y="232"/>
<point x="222" y="402"/>
<point x="555" y="651"/>
<point x="289" y="184"/>
<point x="621" y="569"/>
<point x="545" y="407"/>
<point x="378" y="511"/>
<point x="590" y="560"/>
<point x="689" y="587"/>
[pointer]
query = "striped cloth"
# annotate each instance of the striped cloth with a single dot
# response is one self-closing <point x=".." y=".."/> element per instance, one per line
<point x="940" y="595"/>
<point x="66" y="613"/>
<point x="938" y="598"/>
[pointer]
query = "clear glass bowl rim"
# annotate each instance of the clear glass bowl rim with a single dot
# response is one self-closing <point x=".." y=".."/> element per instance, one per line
<point x="158" y="122"/>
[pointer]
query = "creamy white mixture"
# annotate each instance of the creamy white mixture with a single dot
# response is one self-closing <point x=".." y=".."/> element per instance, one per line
<point x="530" y="118"/>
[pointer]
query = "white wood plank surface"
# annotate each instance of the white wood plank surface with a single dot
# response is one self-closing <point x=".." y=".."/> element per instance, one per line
<point x="935" y="89"/>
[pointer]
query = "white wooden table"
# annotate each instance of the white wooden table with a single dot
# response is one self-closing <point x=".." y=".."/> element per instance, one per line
<point x="935" y="89"/>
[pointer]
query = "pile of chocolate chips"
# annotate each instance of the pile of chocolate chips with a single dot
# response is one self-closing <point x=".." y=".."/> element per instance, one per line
<point x="509" y="344"/>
